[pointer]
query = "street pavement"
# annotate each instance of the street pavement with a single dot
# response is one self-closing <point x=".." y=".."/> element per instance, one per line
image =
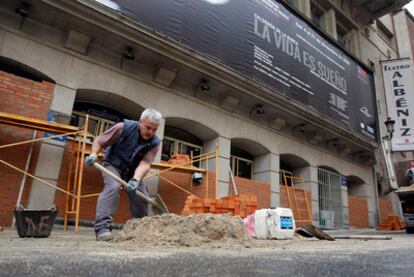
<point x="70" y="254"/>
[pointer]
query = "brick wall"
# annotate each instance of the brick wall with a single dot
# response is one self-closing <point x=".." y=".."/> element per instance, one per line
<point x="28" y="98"/>
<point x="303" y="213"/>
<point x="262" y="190"/>
<point x="385" y="208"/>
<point x="175" y="198"/>
<point x="358" y="212"/>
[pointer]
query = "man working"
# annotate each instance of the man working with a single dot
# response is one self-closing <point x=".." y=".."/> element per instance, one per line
<point x="132" y="148"/>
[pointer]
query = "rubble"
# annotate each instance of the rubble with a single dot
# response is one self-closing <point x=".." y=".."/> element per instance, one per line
<point x="197" y="230"/>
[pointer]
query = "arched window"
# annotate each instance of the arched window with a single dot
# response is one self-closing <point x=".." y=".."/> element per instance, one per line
<point x="179" y="141"/>
<point x="100" y="118"/>
<point x="241" y="162"/>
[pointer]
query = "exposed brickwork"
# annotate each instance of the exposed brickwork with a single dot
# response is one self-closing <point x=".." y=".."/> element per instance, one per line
<point x="385" y="208"/>
<point x="262" y="190"/>
<point x="175" y="198"/>
<point x="237" y="205"/>
<point x="358" y="212"/>
<point x="28" y="98"/>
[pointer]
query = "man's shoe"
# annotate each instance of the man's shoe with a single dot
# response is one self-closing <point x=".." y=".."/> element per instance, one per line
<point x="104" y="236"/>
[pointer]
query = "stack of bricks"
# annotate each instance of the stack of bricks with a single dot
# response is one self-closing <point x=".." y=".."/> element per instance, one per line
<point x="180" y="159"/>
<point x="391" y="223"/>
<point x="237" y="205"/>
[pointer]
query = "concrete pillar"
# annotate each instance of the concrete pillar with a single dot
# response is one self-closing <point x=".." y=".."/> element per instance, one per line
<point x="310" y="178"/>
<point x="224" y="144"/>
<point x="51" y="153"/>
<point x="328" y="23"/>
<point x="266" y="170"/>
<point x="345" y="207"/>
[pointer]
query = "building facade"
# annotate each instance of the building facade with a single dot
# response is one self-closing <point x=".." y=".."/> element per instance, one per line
<point x="71" y="58"/>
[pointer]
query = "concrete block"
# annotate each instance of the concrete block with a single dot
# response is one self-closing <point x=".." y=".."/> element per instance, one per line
<point x="49" y="161"/>
<point x="164" y="75"/>
<point x="222" y="189"/>
<point x="41" y="196"/>
<point x="229" y="103"/>
<point x="77" y="41"/>
<point x="63" y="99"/>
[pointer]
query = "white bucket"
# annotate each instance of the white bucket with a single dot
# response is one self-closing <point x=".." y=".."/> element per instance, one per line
<point x="274" y="223"/>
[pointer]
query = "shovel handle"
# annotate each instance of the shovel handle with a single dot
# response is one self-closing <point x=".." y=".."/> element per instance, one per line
<point x="123" y="183"/>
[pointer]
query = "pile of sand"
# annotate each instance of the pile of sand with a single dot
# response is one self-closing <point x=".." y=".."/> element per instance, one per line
<point x="202" y="230"/>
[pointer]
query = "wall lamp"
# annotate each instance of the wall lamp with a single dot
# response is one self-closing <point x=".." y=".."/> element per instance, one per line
<point x="389" y="123"/>
<point x="23" y="10"/>
<point x="128" y="54"/>
<point x="204" y="85"/>
<point x="257" y="109"/>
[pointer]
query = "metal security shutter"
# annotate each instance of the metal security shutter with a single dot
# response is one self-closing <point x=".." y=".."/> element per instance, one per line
<point x="330" y="204"/>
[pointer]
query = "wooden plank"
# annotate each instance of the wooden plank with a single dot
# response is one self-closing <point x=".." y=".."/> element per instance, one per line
<point x="36" y="124"/>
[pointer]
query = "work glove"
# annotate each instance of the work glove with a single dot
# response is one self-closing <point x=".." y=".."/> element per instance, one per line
<point x="132" y="185"/>
<point x="89" y="160"/>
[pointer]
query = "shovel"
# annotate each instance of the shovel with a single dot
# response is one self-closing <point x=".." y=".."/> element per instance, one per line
<point x="158" y="205"/>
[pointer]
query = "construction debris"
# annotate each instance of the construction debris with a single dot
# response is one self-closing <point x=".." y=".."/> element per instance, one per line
<point x="309" y="230"/>
<point x="201" y="230"/>
<point x="391" y="223"/>
<point x="241" y="205"/>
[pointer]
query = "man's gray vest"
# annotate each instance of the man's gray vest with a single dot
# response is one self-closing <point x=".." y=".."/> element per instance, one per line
<point x="126" y="154"/>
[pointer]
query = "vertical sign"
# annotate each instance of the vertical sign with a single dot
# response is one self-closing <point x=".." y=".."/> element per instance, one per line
<point x="399" y="91"/>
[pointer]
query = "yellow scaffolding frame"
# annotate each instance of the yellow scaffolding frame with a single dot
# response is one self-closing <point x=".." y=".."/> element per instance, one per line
<point x="307" y="218"/>
<point x="73" y="190"/>
<point x="60" y="130"/>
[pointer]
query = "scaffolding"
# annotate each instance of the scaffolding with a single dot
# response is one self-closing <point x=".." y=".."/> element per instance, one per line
<point x="297" y="198"/>
<point x="77" y="151"/>
<point x="58" y="130"/>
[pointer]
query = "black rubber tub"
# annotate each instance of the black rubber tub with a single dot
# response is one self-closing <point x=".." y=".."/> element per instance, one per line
<point x="35" y="223"/>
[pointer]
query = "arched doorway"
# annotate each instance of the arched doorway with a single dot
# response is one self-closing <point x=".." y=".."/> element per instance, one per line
<point x="330" y="198"/>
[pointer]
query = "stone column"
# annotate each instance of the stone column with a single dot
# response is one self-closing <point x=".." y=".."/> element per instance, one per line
<point x="345" y="206"/>
<point x="304" y="6"/>
<point x="51" y="153"/>
<point x="266" y="170"/>
<point x="328" y="23"/>
<point x="354" y="42"/>
<point x="224" y="144"/>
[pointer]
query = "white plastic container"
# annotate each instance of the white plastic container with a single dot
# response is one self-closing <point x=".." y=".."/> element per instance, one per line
<point x="274" y="223"/>
<point x="260" y="224"/>
<point x="280" y="223"/>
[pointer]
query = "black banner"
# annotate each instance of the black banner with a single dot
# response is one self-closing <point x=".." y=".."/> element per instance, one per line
<point x="265" y="41"/>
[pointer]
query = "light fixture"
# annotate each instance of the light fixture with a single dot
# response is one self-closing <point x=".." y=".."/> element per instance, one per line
<point x="204" y="85"/>
<point x="128" y="54"/>
<point x="257" y="109"/>
<point x="389" y="123"/>
<point x="23" y="10"/>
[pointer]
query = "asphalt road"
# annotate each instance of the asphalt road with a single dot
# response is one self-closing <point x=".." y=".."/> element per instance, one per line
<point x="66" y="254"/>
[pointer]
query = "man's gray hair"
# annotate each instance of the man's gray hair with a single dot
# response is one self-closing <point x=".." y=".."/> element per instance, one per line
<point x="154" y="115"/>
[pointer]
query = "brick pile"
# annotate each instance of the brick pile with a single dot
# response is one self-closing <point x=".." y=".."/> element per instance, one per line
<point x="180" y="159"/>
<point x="391" y="223"/>
<point x="237" y="205"/>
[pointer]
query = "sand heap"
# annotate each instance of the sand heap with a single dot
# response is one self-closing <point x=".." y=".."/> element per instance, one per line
<point x="198" y="230"/>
